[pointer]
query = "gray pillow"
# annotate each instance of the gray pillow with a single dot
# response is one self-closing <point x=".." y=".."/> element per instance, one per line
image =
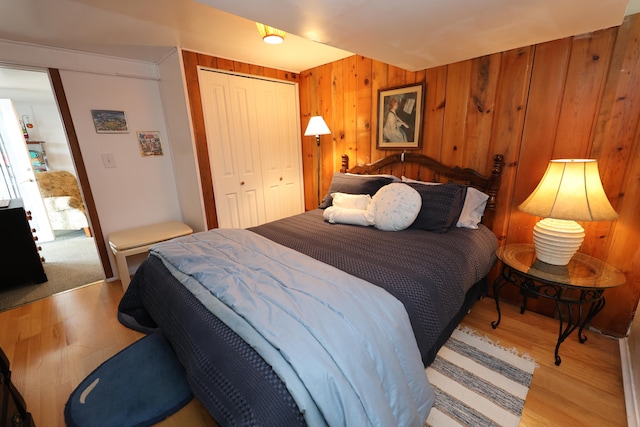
<point x="354" y="184"/>
<point x="441" y="206"/>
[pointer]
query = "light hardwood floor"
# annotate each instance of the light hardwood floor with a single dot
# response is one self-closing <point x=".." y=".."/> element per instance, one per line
<point x="586" y="390"/>
<point x="54" y="343"/>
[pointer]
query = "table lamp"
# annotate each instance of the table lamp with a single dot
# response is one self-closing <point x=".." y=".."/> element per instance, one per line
<point x="569" y="191"/>
<point x="317" y="127"/>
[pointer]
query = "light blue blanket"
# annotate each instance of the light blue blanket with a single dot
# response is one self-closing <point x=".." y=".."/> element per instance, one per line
<point x="343" y="347"/>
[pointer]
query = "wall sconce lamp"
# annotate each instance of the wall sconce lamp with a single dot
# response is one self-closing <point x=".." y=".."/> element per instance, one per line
<point x="569" y="191"/>
<point x="270" y="35"/>
<point x="317" y="127"/>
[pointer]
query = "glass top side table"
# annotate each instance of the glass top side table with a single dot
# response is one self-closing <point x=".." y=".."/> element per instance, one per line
<point x="572" y="287"/>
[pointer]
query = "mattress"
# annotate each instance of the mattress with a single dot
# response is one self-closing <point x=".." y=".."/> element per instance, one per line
<point x="435" y="276"/>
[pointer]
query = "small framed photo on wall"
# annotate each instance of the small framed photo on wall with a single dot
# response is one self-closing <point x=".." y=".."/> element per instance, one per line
<point x="109" y="121"/>
<point x="400" y="112"/>
<point x="149" y="142"/>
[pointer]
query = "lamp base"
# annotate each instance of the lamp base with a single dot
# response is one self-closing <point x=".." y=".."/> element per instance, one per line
<point x="557" y="240"/>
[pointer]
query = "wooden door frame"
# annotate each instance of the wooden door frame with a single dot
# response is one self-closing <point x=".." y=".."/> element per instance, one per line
<point x="81" y="171"/>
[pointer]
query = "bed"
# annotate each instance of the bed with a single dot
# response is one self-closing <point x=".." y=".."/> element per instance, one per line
<point x="435" y="276"/>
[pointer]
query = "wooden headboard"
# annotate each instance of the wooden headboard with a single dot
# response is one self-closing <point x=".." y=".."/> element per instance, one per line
<point x="400" y="163"/>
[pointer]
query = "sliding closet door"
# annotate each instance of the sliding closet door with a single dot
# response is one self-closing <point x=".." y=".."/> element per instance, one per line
<point x="253" y="137"/>
<point x="234" y="153"/>
<point x="280" y="149"/>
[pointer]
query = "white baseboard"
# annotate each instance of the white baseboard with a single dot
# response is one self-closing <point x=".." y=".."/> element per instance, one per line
<point x="631" y="390"/>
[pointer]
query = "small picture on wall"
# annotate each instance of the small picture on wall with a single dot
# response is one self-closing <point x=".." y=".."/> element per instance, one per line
<point x="109" y="121"/>
<point x="149" y="141"/>
<point x="400" y="117"/>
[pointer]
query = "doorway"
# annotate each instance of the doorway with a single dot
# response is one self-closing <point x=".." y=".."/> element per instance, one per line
<point x="41" y="149"/>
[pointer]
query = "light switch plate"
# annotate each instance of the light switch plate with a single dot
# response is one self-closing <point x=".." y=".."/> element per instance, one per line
<point x="108" y="160"/>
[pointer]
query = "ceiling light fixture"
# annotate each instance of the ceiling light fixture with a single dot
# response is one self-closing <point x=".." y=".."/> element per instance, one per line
<point x="270" y="35"/>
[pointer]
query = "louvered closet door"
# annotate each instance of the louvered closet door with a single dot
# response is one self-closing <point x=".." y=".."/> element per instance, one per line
<point x="253" y="137"/>
<point x="228" y="104"/>
<point x="280" y="149"/>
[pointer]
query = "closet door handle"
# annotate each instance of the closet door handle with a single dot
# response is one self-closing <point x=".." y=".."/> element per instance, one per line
<point x="280" y="178"/>
<point x="241" y="182"/>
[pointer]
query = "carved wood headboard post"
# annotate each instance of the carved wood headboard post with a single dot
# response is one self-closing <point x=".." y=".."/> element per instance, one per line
<point x="492" y="190"/>
<point x="345" y="163"/>
<point x="494" y="184"/>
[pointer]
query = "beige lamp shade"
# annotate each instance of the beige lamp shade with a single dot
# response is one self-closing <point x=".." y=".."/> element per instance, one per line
<point x="569" y="191"/>
<point x="317" y="126"/>
<point x="270" y="35"/>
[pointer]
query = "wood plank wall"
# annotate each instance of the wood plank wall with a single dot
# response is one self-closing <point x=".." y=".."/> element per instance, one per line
<point x="575" y="97"/>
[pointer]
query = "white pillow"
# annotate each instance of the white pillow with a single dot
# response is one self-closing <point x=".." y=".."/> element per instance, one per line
<point x="351" y="201"/>
<point x="395" y="207"/>
<point x="474" y="203"/>
<point x="338" y="215"/>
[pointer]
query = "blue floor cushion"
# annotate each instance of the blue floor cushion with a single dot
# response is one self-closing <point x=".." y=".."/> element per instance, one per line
<point x="140" y="386"/>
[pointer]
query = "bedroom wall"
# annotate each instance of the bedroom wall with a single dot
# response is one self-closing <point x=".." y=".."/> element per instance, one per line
<point x="174" y="100"/>
<point x="574" y="97"/>
<point x="139" y="190"/>
<point x="630" y="355"/>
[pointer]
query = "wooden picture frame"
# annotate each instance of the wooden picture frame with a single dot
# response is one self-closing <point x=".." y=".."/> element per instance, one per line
<point x="109" y="121"/>
<point x="400" y="115"/>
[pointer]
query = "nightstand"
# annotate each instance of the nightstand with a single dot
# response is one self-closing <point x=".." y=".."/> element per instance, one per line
<point x="572" y="287"/>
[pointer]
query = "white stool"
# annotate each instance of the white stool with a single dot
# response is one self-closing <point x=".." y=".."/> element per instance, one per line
<point x="138" y="240"/>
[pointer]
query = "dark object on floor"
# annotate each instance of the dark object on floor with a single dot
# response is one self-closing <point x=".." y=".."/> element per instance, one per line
<point x="13" y="410"/>
<point x="20" y="262"/>
<point x="140" y="386"/>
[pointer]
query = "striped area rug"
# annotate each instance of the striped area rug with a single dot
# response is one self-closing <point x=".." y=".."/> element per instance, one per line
<point x="478" y="383"/>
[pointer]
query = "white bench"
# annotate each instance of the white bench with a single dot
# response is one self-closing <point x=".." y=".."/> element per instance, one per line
<point x="138" y="240"/>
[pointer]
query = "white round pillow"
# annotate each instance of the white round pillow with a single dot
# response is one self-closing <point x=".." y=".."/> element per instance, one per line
<point x="395" y="206"/>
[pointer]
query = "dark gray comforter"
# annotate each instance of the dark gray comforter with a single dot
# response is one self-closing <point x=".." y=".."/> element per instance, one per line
<point x="429" y="273"/>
